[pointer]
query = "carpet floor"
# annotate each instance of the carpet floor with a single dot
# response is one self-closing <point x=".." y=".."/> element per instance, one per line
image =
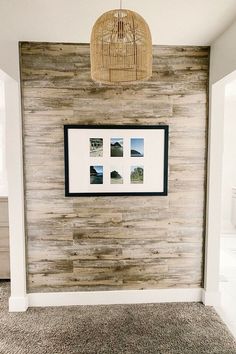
<point x="180" y="328"/>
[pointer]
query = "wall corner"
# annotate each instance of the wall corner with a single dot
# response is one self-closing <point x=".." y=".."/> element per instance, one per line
<point x="211" y="298"/>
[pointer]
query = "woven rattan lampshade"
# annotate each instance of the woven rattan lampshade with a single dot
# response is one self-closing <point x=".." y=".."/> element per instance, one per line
<point x="121" y="48"/>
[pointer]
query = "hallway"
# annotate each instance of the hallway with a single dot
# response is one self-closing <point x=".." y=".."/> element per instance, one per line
<point x="228" y="280"/>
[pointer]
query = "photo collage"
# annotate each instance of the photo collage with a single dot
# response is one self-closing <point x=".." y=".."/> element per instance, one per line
<point x="116" y="149"/>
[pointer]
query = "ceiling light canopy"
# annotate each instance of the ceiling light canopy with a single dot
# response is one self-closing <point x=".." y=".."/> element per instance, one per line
<point x="121" y="48"/>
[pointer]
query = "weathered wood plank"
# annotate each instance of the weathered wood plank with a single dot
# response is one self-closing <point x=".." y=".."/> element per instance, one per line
<point x="121" y="242"/>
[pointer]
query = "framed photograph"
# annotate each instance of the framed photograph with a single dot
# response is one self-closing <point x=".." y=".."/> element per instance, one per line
<point x="116" y="160"/>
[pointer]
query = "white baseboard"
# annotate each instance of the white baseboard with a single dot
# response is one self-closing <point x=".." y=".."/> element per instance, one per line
<point x="18" y="304"/>
<point x="211" y="298"/>
<point x="114" y="297"/>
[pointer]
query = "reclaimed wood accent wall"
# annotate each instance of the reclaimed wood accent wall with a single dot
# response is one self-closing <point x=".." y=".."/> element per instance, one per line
<point x="108" y="243"/>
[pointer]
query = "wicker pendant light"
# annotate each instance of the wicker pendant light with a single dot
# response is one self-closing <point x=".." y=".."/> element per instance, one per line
<point x="121" y="48"/>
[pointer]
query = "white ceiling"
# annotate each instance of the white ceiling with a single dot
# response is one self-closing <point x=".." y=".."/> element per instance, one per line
<point x="193" y="22"/>
<point x="172" y="22"/>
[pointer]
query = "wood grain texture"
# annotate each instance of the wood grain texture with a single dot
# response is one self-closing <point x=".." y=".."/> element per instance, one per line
<point x="106" y="243"/>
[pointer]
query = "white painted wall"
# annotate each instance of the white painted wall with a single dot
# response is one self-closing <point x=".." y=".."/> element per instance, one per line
<point x="222" y="71"/>
<point x="14" y="163"/>
<point x="223" y="54"/>
<point x="223" y="63"/>
<point x="229" y="158"/>
<point x="3" y="168"/>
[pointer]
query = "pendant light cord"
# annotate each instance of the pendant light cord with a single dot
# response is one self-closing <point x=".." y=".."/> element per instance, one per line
<point x="120" y="4"/>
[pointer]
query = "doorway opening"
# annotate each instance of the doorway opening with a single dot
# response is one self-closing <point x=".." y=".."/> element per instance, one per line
<point x="4" y="223"/>
<point x="13" y="161"/>
<point x="227" y="281"/>
<point x="221" y="135"/>
<point x="3" y="169"/>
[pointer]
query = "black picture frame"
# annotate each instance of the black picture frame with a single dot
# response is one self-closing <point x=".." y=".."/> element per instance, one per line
<point x="165" y="129"/>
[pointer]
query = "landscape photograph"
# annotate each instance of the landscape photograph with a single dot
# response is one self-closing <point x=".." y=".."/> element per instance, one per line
<point x="136" y="175"/>
<point x="116" y="176"/>
<point x="137" y="147"/>
<point x="96" y="174"/>
<point x="116" y="147"/>
<point x="96" y="147"/>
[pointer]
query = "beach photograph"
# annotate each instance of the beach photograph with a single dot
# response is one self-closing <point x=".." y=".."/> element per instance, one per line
<point x="96" y="147"/>
<point x="96" y="174"/>
<point x="137" y="147"/>
<point x="116" y="147"/>
<point x="116" y="176"/>
<point x="136" y="175"/>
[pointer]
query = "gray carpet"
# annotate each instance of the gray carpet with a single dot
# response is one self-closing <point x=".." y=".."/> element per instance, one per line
<point x="188" y="328"/>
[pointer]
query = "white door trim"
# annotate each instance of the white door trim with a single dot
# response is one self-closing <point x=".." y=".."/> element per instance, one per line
<point x="14" y="161"/>
<point x="214" y="181"/>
